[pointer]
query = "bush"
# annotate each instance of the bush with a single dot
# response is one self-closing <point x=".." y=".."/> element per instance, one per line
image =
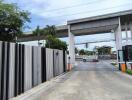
<point x="55" y="43"/>
<point x="129" y="71"/>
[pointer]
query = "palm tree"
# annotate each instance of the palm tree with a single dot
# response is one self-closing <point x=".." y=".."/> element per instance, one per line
<point x="47" y="31"/>
<point x="50" y="30"/>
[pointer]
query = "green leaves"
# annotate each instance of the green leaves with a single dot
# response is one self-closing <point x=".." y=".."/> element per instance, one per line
<point x="51" y="40"/>
<point x="86" y="52"/>
<point x="39" y="31"/>
<point x="129" y="71"/>
<point x="55" y="43"/>
<point x="104" y="50"/>
<point x="48" y="30"/>
<point x="12" y="21"/>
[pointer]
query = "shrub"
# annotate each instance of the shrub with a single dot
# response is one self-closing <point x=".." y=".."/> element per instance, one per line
<point x="129" y="71"/>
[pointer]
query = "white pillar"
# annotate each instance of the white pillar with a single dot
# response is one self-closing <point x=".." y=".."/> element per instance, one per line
<point x="118" y="36"/>
<point x="71" y="46"/>
<point x="126" y="32"/>
<point x="131" y="29"/>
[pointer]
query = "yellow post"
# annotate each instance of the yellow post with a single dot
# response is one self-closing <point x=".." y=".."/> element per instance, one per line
<point x="123" y="67"/>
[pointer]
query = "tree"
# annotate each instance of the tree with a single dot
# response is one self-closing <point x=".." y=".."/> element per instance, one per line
<point x="82" y="52"/>
<point x="48" y="30"/>
<point x="37" y="31"/>
<point x="89" y="52"/>
<point x="55" y="43"/>
<point x="50" y="35"/>
<point x="86" y="52"/>
<point x="76" y="50"/>
<point x="104" y="50"/>
<point x="12" y="21"/>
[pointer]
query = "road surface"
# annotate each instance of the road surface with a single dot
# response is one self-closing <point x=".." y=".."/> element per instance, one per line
<point x="89" y="81"/>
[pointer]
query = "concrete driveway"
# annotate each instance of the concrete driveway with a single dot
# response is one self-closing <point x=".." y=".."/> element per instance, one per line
<point x="89" y="81"/>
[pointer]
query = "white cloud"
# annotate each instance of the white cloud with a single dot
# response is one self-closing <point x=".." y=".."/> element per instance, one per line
<point x="45" y="8"/>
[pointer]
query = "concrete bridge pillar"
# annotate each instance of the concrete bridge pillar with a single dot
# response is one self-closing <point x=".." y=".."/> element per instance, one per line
<point x="126" y="31"/>
<point x="71" y="46"/>
<point x="130" y="25"/>
<point x="118" y="36"/>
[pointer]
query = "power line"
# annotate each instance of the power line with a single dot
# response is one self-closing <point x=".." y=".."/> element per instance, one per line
<point x="73" y="6"/>
<point x="89" y="11"/>
<point x="95" y="42"/>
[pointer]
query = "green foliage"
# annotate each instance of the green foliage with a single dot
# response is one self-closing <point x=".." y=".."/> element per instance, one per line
<point x="104" y="50"/>
<point x="89" y="52"/>
<point x="129" y="71"/>
<point x="82" y="52"/>
<point x="86" y="52"/>
<point x="48" y="30"/>
<point x="37" y="31"/>
<point x="76" y="51"/>
<point x="12" y="21"/>
<point x="50" y="35"/>
<point x="55" y="43"/>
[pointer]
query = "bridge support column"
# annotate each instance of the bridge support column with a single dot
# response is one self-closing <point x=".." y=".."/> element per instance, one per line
<point x="71" y="46"/>
<point x="131" y="29"/>
<point x="126" y="31"/>
<point x="118" y="36"/>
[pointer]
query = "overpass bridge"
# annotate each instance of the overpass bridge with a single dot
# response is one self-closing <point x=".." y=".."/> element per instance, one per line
<point x="113" y="22"/>
<point x="86" y="26"/>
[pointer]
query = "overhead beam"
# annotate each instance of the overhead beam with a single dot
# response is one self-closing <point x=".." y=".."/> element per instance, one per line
<point x="62" y="31"/>
<point x="30" y="38"/>
<point x="99" y="41"/>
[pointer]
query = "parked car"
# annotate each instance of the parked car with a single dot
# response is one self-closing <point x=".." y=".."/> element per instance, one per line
<point x="90" y="59"/>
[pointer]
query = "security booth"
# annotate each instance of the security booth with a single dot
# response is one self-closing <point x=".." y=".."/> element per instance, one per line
<point x="128" y="55"/>
<point x="125" y="58"/>
<point x="128" y="52"/>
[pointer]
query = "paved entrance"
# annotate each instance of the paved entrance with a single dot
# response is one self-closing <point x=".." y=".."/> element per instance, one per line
<point x="89" y="81"/>
<point x="95" y="66"/>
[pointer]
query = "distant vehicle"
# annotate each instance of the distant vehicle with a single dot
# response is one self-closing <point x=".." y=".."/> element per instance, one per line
<point x="93" y="58"/>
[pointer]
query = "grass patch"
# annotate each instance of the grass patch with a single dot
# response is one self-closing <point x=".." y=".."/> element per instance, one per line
<point x="129" y="71"/>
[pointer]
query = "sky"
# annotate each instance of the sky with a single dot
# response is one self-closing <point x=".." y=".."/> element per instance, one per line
<point x="58" y="12"/>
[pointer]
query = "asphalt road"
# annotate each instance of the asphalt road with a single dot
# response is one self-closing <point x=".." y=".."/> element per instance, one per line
<point x="89" y="81"/>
